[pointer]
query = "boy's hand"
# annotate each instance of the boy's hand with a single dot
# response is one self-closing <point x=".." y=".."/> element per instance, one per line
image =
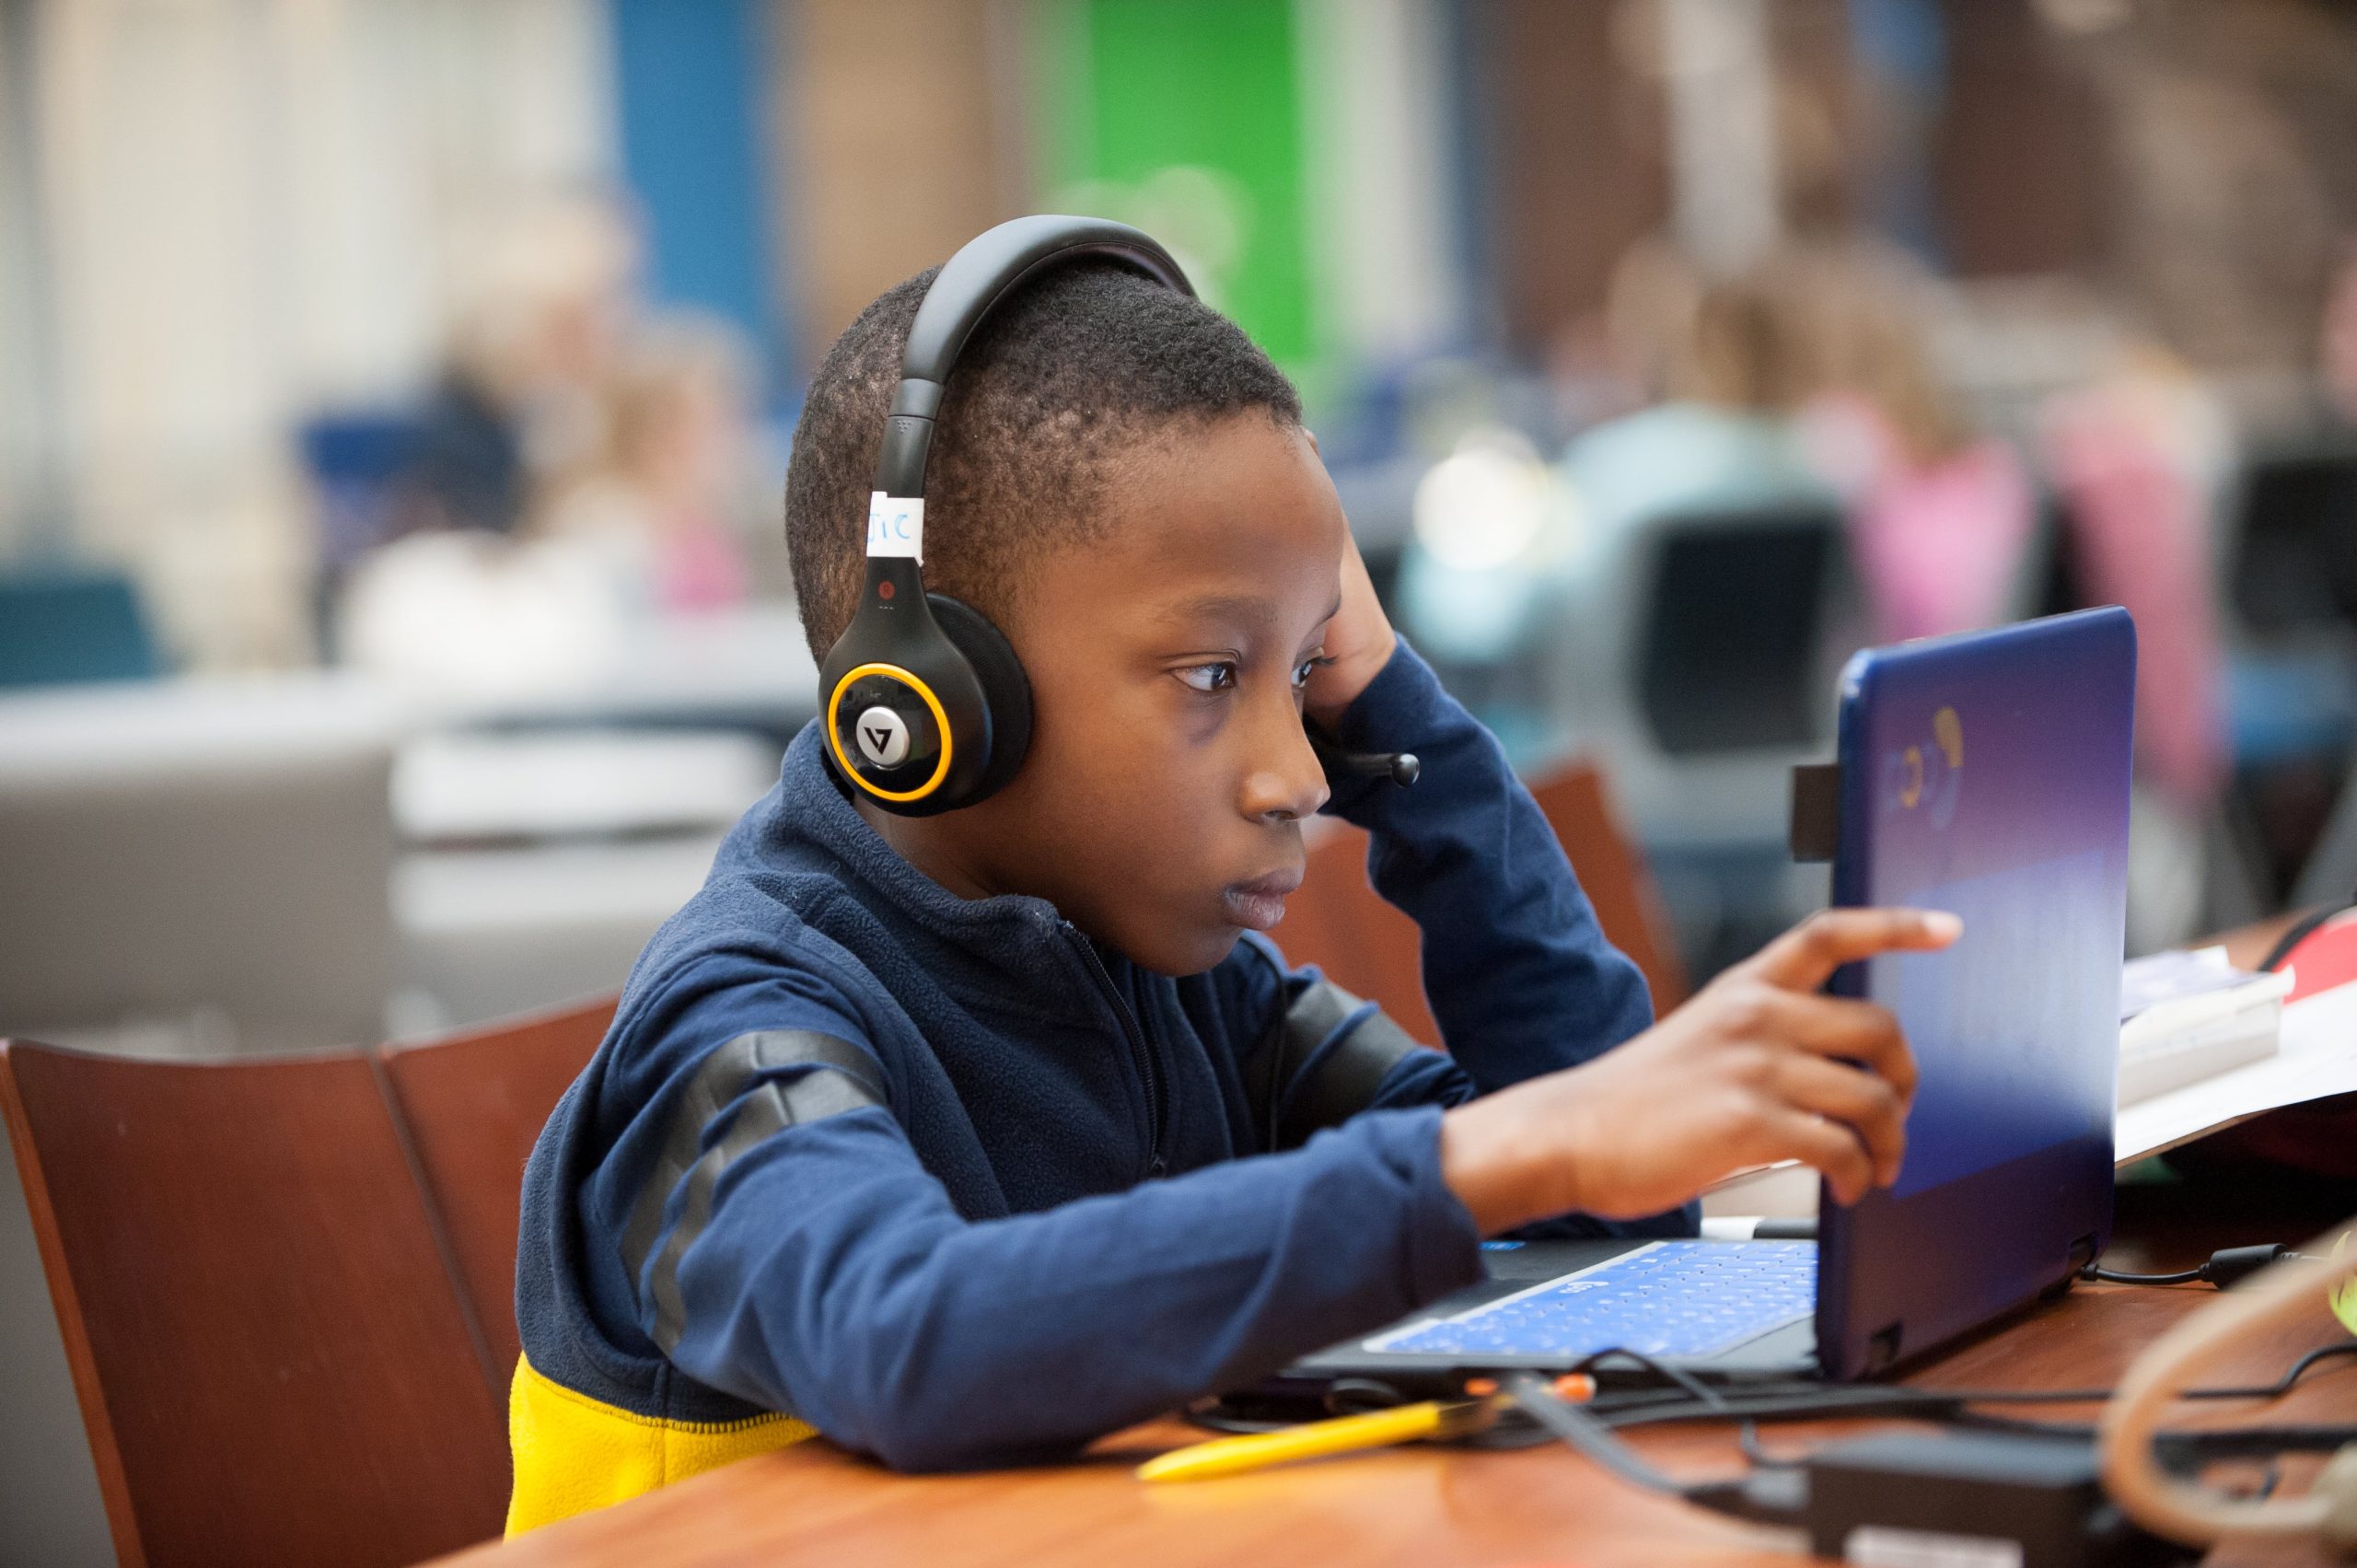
<point x="1757" y="1067"/>
<point x="1359" y="641"/>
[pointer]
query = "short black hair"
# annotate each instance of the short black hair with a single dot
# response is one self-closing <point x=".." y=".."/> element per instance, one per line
<point x="1079" y="367"/>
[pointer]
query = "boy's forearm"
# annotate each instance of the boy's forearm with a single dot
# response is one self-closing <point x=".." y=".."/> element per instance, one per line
<point x="933" y="1343"/>
<point x="1518" y="971"/>
<point x="1504" y="1175"/>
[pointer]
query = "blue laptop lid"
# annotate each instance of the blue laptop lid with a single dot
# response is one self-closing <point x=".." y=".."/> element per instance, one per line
<point x="1987" y="774"/>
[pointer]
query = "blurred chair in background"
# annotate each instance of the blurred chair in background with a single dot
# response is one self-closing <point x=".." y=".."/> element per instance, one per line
<point x="188" y="869"/>
<point x="1708" y="644"/>
<point x="2292" y="585"/>
<point x="62" y="626"/>
<point x="273" y="1360"/>
<point x="354" y="462"/>
<point x="535" y="862"/>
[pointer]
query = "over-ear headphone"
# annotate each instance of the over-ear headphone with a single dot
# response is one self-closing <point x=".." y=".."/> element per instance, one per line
<point x="925" y="705"/>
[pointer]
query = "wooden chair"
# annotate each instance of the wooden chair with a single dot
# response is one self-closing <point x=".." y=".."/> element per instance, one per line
<point x="272" y="1362"/>
<point x="473" y="1103"/>
<point x="285" y="1287"/>
<point x="1579" y="807"/>
<point x="1339" y="923"/>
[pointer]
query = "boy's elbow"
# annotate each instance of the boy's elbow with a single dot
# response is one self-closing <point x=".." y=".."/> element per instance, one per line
<point x="918" y="1441"/>
<point x="925" y="1410"/>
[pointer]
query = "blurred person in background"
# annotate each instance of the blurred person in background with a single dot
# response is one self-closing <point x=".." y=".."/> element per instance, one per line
<point x="2136" y="458"/>
<point x="1730" y="370"/>
<point x="1941" y="516"/>
<point x="543" y="305"/>
<point x="1506" y="548"/>
<point x="2336" y="356"/>
<point x="465" y="603"/>
<point x="663" y="496"/>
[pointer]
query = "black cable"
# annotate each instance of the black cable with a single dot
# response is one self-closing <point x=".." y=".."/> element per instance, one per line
<point x="1747" y="1434"/>
<point x="2223" y="1267"/>
<point x="2183" y="1277"/>
<point x="1575" y="1426"/>
<point x="1591" y="1430"/>
<point x="1803" y="1401"/>
<point x="2182" y="1448"/>
<point x="1772" y="1497"/>
<point x="1777" y="1493"/>
<point x="2284" y="1386"/>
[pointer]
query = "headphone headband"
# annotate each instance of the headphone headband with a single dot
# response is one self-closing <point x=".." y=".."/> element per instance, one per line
<point x="985" y="271"/>
<point x="925" y="704"/>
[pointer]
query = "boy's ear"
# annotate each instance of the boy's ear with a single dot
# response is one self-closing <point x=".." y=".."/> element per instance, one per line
<point x="1313" y="440"/>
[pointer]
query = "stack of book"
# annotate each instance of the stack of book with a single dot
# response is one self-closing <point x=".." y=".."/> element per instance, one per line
<point x="2184" y="1017"/>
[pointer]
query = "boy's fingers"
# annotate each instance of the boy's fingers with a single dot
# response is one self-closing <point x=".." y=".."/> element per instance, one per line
<point x="1840" y="1026"/>
<point x="1860" y="1101"/>
<point x="1832" y="1148"/>
<point x="1805" y="956"/>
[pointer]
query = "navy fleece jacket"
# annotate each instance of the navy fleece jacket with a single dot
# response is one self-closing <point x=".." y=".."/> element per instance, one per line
<point x="1014" y="1201"/>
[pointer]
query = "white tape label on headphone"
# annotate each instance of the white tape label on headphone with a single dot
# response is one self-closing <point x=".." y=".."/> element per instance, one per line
<point x="895" y="525"/>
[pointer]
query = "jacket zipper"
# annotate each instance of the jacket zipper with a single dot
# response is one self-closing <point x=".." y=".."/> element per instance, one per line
<point x="1156" y="1092"/>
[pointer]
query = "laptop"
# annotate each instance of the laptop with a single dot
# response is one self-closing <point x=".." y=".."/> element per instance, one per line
<point x="1987" y="774"/>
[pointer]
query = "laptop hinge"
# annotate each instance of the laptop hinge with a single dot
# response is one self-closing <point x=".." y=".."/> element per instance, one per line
<point x="2083" y="1252"/>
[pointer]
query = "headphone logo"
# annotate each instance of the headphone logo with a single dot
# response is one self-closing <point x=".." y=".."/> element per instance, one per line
<point x="883" y="736"/>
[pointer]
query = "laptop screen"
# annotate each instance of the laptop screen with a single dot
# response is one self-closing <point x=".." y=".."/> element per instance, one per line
<point x="1985" y="774"/>
<point x="1998" y="767"/>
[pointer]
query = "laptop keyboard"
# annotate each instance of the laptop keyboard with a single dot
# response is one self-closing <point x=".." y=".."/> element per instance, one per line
<point x="1669" y="1298"/>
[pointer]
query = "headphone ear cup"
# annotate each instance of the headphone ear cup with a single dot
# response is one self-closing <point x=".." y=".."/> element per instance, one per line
<point x="1006" y="691"/>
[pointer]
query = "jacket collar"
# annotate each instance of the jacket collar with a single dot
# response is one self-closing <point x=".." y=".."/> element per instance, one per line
<point x="809" y="824"/>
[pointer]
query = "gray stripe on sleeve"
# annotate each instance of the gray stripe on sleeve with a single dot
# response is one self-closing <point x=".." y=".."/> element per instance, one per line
<point x="845" y="1081"/>
<point x="1288" y="1109"/>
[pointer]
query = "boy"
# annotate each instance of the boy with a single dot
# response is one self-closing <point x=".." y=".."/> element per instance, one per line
<point x="964" y="1139"/>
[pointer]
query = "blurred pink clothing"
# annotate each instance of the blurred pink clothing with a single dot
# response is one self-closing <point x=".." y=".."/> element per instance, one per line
<point x="699" y="566"/>
<point x="2138" y="516"/>
<point x="1940" y="547"/>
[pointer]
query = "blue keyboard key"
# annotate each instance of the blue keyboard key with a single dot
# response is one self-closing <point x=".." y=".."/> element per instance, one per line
<point x="1669" y="1298"/>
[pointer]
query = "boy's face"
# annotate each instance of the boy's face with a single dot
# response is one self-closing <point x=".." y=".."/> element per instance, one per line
<point x="1160" y="806"/>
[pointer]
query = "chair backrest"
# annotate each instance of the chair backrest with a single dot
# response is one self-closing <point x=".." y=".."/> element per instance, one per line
<point x="274" y="1362"/>
<point x="1612" y="870"/>
<point x="1704" y="650"/>
<point x="1341" y="924"/>
<point x="182" y="849"/>
<point x="1730" y="652"/>
<point x="73" y="625"/>
<point x="2294" y="554"/>
<point x="473" y="1103"/>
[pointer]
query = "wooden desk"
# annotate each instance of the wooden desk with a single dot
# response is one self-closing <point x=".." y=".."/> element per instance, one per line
<point x="1430" y="1507"/>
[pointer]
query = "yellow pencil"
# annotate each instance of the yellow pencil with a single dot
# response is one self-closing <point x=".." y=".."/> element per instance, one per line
<point x="1434" y="1419"/>
<point x="1316" y="1439"/>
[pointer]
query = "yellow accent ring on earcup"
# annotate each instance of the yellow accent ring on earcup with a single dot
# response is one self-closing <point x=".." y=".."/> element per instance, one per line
<point x="940" y="719"/>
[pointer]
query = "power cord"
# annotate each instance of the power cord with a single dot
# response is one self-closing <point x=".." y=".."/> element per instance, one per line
<point x="1806" y="1402"/>
<point x="1777" y="1490"/>
<point x="2225" y="1266"/>
<point x="2180" y="1506"/>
